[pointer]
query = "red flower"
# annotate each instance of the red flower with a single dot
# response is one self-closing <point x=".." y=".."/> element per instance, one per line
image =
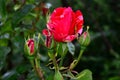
<point x="30" y="44"/>
<point x="64" y="24"/>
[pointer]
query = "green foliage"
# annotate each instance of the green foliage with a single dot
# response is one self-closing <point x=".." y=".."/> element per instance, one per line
<point x="3" y="8"/>
<point x="20" y="14"/>
<point x="4" y="51"/>
<point x="84" y="75"/>
<point x="58" y="76"/>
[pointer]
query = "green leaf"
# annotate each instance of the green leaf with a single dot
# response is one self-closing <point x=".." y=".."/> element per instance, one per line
<point x="3" y="42"/>
<point x="7" y="27"/>
<point x="20" y="14"/>
<point x="31" y="1"/>
<point x="3" y="53"/>
<point x="22" y="68"/>
<point x="71" y="48"/>
<point x="84" y="75"/>
<point x="50" y="54"/>
<point x="3" y="8"/>
<point x="3" y="12"/>
<point x="58" y="76"/>
<point x="59" y="48"/>
<point x="64" y="48"/>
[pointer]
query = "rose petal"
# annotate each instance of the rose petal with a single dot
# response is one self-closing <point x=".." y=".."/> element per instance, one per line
<point x="69" y="38"/>
<point x="30" y="44"/>
<point x="79" y="21"/>
<point x="46" y="32"/>
<point x="80" y="31"/>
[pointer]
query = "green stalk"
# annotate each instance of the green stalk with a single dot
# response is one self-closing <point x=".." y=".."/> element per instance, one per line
<point x="63" y="54"/>
<point x="32" y="62"/>
<point x="62" y="58"/>
<point x="35" y="65"/>
<point x="55" y="62"/>
<point x="38" y="70"/>
<point x="61" y="62"/>
<point x="78" y="59"/>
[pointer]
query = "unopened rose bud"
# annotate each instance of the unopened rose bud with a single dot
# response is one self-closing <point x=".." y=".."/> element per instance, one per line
<point x="48" y="36"/>
<point x="45" y="11"/>
<point x="45" y="8"/>
<point x="84" y="39"/>
<point x="31" y="46"/>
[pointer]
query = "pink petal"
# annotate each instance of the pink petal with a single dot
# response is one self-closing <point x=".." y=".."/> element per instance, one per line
<point x="80" y="31"/>
<point x="69" y="38"/>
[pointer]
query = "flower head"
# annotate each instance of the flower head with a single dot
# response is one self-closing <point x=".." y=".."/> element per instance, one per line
<point x="64" y="24"/>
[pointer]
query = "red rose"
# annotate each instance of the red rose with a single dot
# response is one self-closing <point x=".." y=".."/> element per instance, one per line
<point x="64" y="24"/>
<point x="30" y="44"/>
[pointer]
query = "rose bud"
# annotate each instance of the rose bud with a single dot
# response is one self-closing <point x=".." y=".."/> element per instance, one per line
<point x="45" y="8"/>
<point x="84" y="39"/>
<point x="31" y="46"/>
<point x="48" y="36"/>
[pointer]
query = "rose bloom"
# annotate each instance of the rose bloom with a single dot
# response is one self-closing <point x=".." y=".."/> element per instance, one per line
<point x="64" y="24"/>
<point x="30" y="44"/>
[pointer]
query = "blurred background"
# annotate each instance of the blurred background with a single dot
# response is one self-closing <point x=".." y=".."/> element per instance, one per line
<point x="20" y="18"/>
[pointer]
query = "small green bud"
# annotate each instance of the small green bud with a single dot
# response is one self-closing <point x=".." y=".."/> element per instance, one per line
<point x="84" y="39"/>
